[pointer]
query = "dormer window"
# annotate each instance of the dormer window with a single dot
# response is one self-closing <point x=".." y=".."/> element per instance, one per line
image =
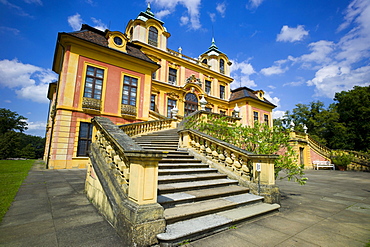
<point x="222" y="66"/>
<point x="204" y="61"/>
<point x="153" y="36"/>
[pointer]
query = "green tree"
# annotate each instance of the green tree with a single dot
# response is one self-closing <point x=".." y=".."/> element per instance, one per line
<point x="11" y="121"/>
<point x="353" y="108"/>
<point x="14" y="143"/>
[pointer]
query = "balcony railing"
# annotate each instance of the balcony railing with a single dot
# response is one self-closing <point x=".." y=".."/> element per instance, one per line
<point x="140" y="128"/>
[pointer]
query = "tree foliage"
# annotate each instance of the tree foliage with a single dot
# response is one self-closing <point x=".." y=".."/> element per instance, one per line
<point x="11" y="121"/>
<point x="259" y="139"/>
<point x="14" y="143"/>
<point x="345" y="124"/>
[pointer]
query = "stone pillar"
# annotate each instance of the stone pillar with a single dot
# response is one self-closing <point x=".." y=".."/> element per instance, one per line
<point x="264" y="180"/>
<point x="143" y="178"/>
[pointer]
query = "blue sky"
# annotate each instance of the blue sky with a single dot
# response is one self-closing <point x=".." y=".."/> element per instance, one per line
<point x="296" y="51"/>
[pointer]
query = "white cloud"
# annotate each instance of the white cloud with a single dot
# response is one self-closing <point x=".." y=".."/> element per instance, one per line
<point x="320" y="52"/>
<point x="274" y="100"/>
<point x="9" y="30"/>
<point x="212" y="16"/>
<point x="99" y="24"/>
<point x="28" y="81"/>
<point x="184" y="20"/>
<point x="252" y="4"/>
<point x="276" y="68"/>
<point x="277" y="114"/>
<point x="192" y="7"/>
<point x="36" y="125"/>
<point x="221" y="8"/>
<point x="291" y="34"/>
<point x="18" y="10"/>
<point x="162" y="13"/>
<point x="335" y="78"/>
<point x="39" y="2"/>
<point x="75" y="21"/>
<point x="273" y="70"/>
<point x="241" y="72"/>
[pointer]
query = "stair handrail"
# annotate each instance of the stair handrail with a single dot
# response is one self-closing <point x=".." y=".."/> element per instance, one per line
<point x="240" y="162"/>
<point x="122" y="182"/>
<point x="139" y="128"/>
<point x="113" y="151"/>
<point x="358" y="158"/>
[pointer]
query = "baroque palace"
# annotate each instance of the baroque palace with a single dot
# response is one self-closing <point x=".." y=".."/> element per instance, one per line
<point x="133" y="77"/>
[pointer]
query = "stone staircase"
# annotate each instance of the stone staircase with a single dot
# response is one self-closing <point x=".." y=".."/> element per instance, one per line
<point x="197" y="200"/>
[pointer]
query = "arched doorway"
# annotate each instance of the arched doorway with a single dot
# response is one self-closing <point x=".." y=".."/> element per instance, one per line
<point x="191" y="103"/>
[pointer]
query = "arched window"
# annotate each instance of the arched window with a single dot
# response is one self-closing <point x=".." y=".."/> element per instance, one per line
<point x="222" y="66"/>
<point x="153" y="36"/>
<point x="205" y="61"/>
<point x="191" y="103"/>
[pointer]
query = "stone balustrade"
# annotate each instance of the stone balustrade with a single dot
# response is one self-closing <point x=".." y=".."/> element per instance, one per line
<point x="203" y="116"/>
<point x="251" y="170"/>
<point x="140" y="128"/>
<point x="135" y="169"/>
<point x="122" y="182"/>
<point x="242" y="163"/>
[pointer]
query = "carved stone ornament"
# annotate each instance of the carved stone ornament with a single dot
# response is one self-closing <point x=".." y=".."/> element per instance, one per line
<point x="90" y="103"/>
<point x="128" y="110"/>
<point x="173" y="95"/>
<point x="193" y="79"/>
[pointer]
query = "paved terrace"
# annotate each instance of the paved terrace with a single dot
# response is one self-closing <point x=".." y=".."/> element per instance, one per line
<point x="332" y="209"/>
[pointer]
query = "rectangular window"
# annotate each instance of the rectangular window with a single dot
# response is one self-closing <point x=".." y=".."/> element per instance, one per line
<point x="255" y="116"/>
<point x="152" y="102"/>
<point x="208" y="109"/>
<point x="172" y="76"/>
<point x="266" y="119"/>
<point x="129" y="91"/>
<point x="208" y="87"/>
<point x="84" y="139"/>
<point x="93" y="82"/>
<point x="222" y="92"/>
<point x="223" y="113"/>
<point x="154" y="75"/>
<point x="170" y="104"/>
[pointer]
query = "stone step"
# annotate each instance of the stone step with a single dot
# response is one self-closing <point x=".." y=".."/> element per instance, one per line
<point x="189" y="177"/>
<point x="144" y="145"/>
<point x="185" y="171"/>
<point x="204" y="225"/>
<point x="164" y="165"/>
<point x="156" y="142"/>
<point x="178" y="160"/>
<point x="201" y="208"/>
<point x="183" y="186"/>
<point x="171" y="199"/>
<point x="161" y="148"/>
<point x="181" y="155"/>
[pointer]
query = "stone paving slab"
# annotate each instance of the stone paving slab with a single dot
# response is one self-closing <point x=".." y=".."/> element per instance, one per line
<point x="51" y="209"/>
<point x="331" y="210"/>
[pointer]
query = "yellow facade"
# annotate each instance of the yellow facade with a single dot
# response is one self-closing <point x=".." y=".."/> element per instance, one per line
<point x="130" y="77"/>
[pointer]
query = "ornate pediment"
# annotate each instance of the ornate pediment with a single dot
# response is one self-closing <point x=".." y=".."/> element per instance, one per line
<point x="193" y="79"/>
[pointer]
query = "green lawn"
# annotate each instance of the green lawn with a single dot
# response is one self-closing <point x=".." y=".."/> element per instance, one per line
<point x="12" y="174"/>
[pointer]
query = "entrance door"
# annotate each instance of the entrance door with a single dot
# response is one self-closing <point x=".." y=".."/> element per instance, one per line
<point x="191" y="103"/>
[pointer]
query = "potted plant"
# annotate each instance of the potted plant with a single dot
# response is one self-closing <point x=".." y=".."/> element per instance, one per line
<point x="341" y="160"/>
